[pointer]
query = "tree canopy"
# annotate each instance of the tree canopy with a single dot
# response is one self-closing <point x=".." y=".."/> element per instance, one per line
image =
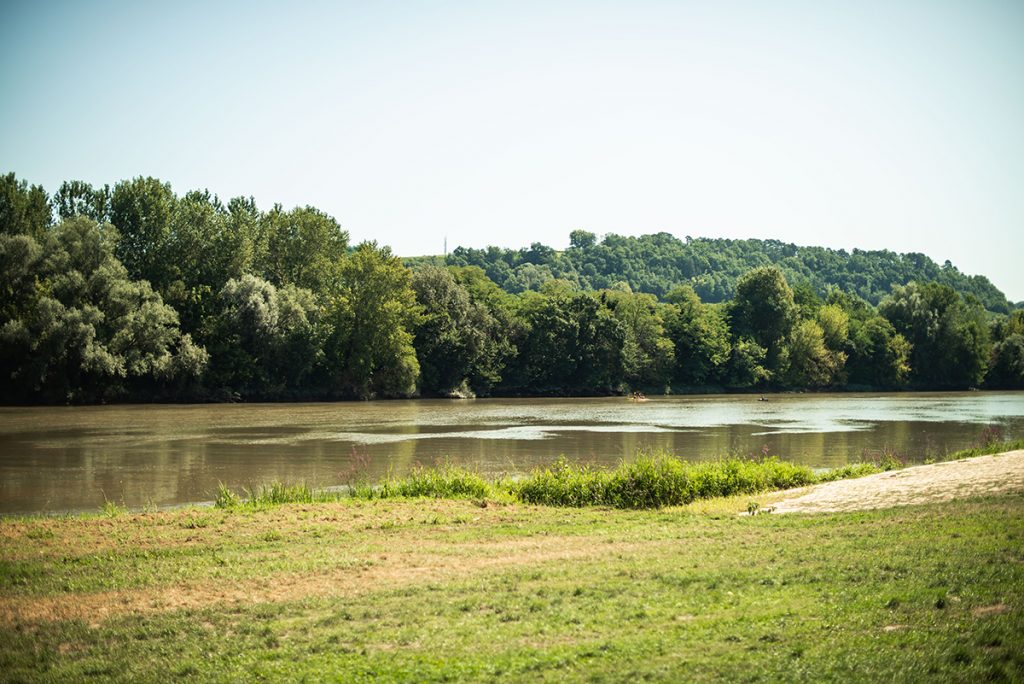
<point x="133" y="292"/>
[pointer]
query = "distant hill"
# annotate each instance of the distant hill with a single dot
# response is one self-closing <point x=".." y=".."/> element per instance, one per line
<point x="656" y="263"/>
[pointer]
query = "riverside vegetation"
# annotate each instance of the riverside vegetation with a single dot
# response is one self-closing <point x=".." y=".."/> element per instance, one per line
<point x="136" y="293"/>
<point x="473" y="584"/>
<point x="651" y="480"/>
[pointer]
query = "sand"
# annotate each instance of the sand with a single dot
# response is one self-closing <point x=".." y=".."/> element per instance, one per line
<point x="1001" y="473"/>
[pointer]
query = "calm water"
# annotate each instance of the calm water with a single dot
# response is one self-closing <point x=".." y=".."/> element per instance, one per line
<point x="57" y="459"/>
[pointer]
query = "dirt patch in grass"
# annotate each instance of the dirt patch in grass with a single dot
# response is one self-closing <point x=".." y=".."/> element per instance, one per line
<point x="375" y="573"/>
<point x="979" y="476"/>
<point x="996" y="609"/>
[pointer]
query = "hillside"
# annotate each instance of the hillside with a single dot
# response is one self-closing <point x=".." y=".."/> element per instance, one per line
<point x="656" y="263"/>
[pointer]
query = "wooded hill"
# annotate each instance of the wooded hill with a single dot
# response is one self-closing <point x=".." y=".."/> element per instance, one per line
<point x="659" y="262"/>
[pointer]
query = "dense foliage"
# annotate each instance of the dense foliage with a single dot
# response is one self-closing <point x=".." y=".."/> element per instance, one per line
<point x="658" y="263"/>
<point x="134" y="292"/>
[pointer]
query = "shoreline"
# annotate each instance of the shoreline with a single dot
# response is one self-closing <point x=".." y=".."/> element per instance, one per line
<point x="918" y="484"/>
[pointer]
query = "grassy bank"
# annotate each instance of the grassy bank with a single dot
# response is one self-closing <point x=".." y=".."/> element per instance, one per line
<point x="447" y="589"/>
<point x="375" y="585"/>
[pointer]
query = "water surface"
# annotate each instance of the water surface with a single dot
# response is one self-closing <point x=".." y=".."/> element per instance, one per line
<point x="74" y="458"/>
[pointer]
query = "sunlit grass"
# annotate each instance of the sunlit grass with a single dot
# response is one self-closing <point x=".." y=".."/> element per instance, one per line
<point x="652" y="480"/>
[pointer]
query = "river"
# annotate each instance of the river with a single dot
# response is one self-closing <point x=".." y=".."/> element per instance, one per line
<point x="56" y="459"/>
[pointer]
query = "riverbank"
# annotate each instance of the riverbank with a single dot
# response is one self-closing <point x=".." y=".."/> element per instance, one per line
<point x="431" y="589"/>
<point x="936" y="482"/>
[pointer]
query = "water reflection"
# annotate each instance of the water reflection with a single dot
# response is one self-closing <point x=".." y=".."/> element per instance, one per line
<point x="74" y="458"/>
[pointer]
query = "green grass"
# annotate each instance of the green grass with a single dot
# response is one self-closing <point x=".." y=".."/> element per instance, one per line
<point x="657" y="481"/>
<point x="446" y="482"/>
<point x="985" y="449"/>
<point x="649" y="481"/>
<point x="443" y="590"/>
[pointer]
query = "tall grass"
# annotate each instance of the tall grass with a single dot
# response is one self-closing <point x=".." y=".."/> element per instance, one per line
<point x="650" y="481"/>
<point x="656" y="481"/>
<point x="445" y="482"/>
<point x="273" y="494"/>
<point x="985" y="449"/>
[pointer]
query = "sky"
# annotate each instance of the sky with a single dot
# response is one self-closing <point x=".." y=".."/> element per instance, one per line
<point x="893" y="124"/>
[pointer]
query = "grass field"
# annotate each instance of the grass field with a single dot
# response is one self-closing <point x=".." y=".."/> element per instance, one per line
<point x="429" y="589"/>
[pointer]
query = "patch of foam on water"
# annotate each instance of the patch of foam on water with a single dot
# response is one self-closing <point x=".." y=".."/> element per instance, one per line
<point x="839" y="426"/>
<point x="514" y="432"/>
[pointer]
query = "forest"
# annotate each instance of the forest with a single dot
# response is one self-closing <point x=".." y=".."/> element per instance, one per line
<point x="712" y="267"/>
<point x="135" y="293"/>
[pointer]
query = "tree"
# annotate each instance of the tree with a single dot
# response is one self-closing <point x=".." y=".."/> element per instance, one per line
<point x="763" y="311"/>
<point x="141" y="211"/>
<point x="948" y="334"/>
<point x="700" y="335"/>
<point x="78" y="198"/>
<point x="581" y="239"/>
<point x="198" y="261"/>
<point x="305" y="247"/>
<point x="24" y="209"/>
<point x="266" y="341"/>
<point x="572" y="343"/>
<point x="835" y="326"/>
<point x="811" y="362"/>
<point x="455" y="335"/>
<point x="84" y="330"/>
<point x="648" y="355"/>
<point x="879" y="356"/>
<point x="1007" y="365"/>
<point x="747" y="364"/>
<point x="373" y="313"/>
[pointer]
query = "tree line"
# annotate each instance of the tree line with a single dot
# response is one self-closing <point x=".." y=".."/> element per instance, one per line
<point x="132" y="292"/>
<point x="713" y="267"/>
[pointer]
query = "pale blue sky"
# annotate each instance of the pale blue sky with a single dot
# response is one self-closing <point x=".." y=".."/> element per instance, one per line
<point x="892" y="124"/>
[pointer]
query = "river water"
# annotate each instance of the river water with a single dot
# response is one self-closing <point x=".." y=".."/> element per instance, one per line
<point x="75" y="458"/>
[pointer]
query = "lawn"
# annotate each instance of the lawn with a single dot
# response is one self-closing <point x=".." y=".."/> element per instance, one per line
<point x="428" y="589"/>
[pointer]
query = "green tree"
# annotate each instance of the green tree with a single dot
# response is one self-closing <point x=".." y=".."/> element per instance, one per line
<point x="879" y="356"/>
<point x="509" y="326"/>
<point x="763" y="311"/>
<point x="84" y="330"/>
<point x="1007" y="365"/>
<point x="266" y="341"/>
<point x="746" y="367"/>
<point x="141" y="210"/>
<point x="700" y="335"/>
<point x="305" y="247"/>
<point x="24" y="209"/>
<point x="573" y="343"/>
<point x="581" y="239"/>
<point x="648" y="355"/>
<point x="455" y="337"/>
<point x="948" y="334"/>
<point x="78" y="198"/>
<point x="811" y="362"/>
<point x="373" y="313"/>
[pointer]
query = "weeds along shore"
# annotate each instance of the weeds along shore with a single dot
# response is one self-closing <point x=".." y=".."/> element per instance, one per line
<point x="653" y="480"/>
